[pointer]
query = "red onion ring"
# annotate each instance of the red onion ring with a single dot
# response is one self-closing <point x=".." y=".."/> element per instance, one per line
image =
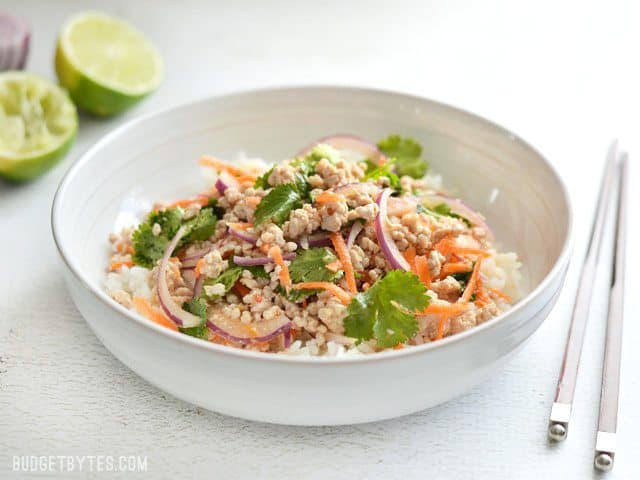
<point x="171" y="308"/>
<point x="319" y="239"/>
<point x="458" y="207"/>
<point x="388" y="246"/>
<point x="14" y="39"/>
<point x="197" y="288"/>
<point x="221" y="187"/>
<point x="242" y="235"/>
<point x="356" y="228"/>
<point x="348" y="143"/>
<point x="255" y="261"/>
<point x="238" y="329"/>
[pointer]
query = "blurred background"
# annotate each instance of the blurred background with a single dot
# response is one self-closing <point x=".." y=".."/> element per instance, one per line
<point x="562" y="75"/>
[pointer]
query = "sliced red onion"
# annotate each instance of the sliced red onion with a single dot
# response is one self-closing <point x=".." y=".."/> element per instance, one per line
<point x="171" y="308"/>
<point x="243" y="235"/>
<point x="460" y="208"/>
<point x="14" y="42"/>
<point x="221" y="186"/>
<point x="235" y="331"/>
<point x="356" y="228"/>
<point x="254" y="261"/>
<point x="389" y="248"/>
<point x="197" y="288"/>
<point x="319" y="239"/>
<point x="347" y="143"/>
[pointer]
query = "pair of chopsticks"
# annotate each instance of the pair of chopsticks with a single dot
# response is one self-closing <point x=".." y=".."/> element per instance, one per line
<point x="615" y="175"/>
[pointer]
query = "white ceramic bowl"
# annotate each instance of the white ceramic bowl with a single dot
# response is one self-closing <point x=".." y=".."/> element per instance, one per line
<point x="155" y="157"/>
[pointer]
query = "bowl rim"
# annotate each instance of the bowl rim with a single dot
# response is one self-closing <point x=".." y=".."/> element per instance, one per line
<point x="171" y="335"/>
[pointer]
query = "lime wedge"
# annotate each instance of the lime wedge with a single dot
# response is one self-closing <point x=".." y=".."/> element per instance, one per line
<point x="38" y="124"/>
<point x="105" y="64"/>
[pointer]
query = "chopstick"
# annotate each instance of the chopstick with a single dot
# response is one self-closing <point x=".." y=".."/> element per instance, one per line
<point x="561" y="407"/>
<point x="608" y="417"/>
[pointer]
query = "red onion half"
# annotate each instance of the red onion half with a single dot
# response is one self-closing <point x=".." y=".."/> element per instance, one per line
<point x="460" y="208"/>
<point x="254" y="261"/>
<point x="356" y="228"/>
<point x="235" y="331"/>
<point x="348" y="143"/>
<point x="14" y="42"/>
<point x="389" y="248"/>
<point x="171" y="308"/>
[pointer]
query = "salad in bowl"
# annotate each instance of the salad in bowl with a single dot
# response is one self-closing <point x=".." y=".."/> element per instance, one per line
<point x="347" y="248"/>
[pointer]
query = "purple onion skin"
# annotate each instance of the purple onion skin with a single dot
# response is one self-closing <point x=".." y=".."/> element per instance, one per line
<point x="244" y="236"/>
<point x="391" y="252"/>
<point x="284" y="329"/>
<point x="221" y="186"/>
<point x="255" y="261"/>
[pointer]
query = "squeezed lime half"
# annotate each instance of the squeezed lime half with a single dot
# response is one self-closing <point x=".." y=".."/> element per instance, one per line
<point x="106" y="64"/>
<point x="38" y="124"/>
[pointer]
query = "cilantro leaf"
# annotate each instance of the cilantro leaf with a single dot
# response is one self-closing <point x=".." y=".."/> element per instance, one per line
<point x="169" y="220"/>
<point x="278" y="204"/>
<point x="406" y="153"/>
<point x="311" y="266"/>
<point x="374" y="172"/>
<point x="381" y="311"/>
<point x="228" y="278"/>
<point x="200" y="227"/>
<point x="257" y="271"/>
<point x="263" y="180"/>
<point x="197" y="307"/>
<point x="147" y="247"/>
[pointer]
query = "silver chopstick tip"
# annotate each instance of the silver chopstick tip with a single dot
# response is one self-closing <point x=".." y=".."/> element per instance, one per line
<point x="557" y="432"/>
<point x="603" y="462"/>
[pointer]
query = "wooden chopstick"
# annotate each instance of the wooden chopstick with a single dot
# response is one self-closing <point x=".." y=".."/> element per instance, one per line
<point x="608" y="417"/>
<point x="561" y="408"/>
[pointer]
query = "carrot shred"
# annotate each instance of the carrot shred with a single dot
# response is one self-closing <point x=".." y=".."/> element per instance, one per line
<point x="345" y="258"/>
<point x="501" y="294"/>
<point x="198" y="269"/>
<point x="341" y="294"/>
<point x="276" y="254"/>
<point x="448" y="247"/>
<point x="118" y="265"/>
<point x="237" y="172"/>
<point x="422" y="269"/>
<point x="448" y="310"/>
<point x="451" y="268"/>
<point x="240" y="225"/>
<point x="328" y="196"/>
<point x="143" y="306"/>
<point x="441" y="323"/>
<point x="473" y="282"/>
<point x="410" y="256"/>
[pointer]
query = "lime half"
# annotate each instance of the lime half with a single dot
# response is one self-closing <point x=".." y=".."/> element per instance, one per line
<point x="105" y="63"/>
<point x="38" y="124"/>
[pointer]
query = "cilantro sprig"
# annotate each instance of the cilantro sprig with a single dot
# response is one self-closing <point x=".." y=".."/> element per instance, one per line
<point x="406" y="153"/>
<point x="382" y="311"/>
<point x="311" y="266"/>
<point x="443" y="210"/>
<point x="375" y="171"/>
<point x="148" y="248"/>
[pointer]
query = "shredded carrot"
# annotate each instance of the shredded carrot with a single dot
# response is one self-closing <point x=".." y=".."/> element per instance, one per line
<point x="473" y="282"/>
<point x="144" y="308"/>
<point x="451" y="268"/>
<point x="199" y="265"/>
<point x="328" y="196"/>
<point x="399" y="346"/>
<point x="241" y="289"/>
<point x="246" y="179"/>
<point x="240" y="225"/>
<point x="285" y="278"/>
<point x="501" y="294"/>
<point x="410" y="256"/>
<point x="447" y="310"/>
<point x="118" y="265"/>
<point x="265" y="248"/>
<point x="219" y="165"/>
<point x="422" y="269"/>
<point x="345" y="258"/>
<point x="341" y="294"/>
<point x="448" y="246"/>
<point x="441" y="324"/>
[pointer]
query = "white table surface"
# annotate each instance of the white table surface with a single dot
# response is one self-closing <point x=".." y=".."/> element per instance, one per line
<point x="561" y="76"/>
